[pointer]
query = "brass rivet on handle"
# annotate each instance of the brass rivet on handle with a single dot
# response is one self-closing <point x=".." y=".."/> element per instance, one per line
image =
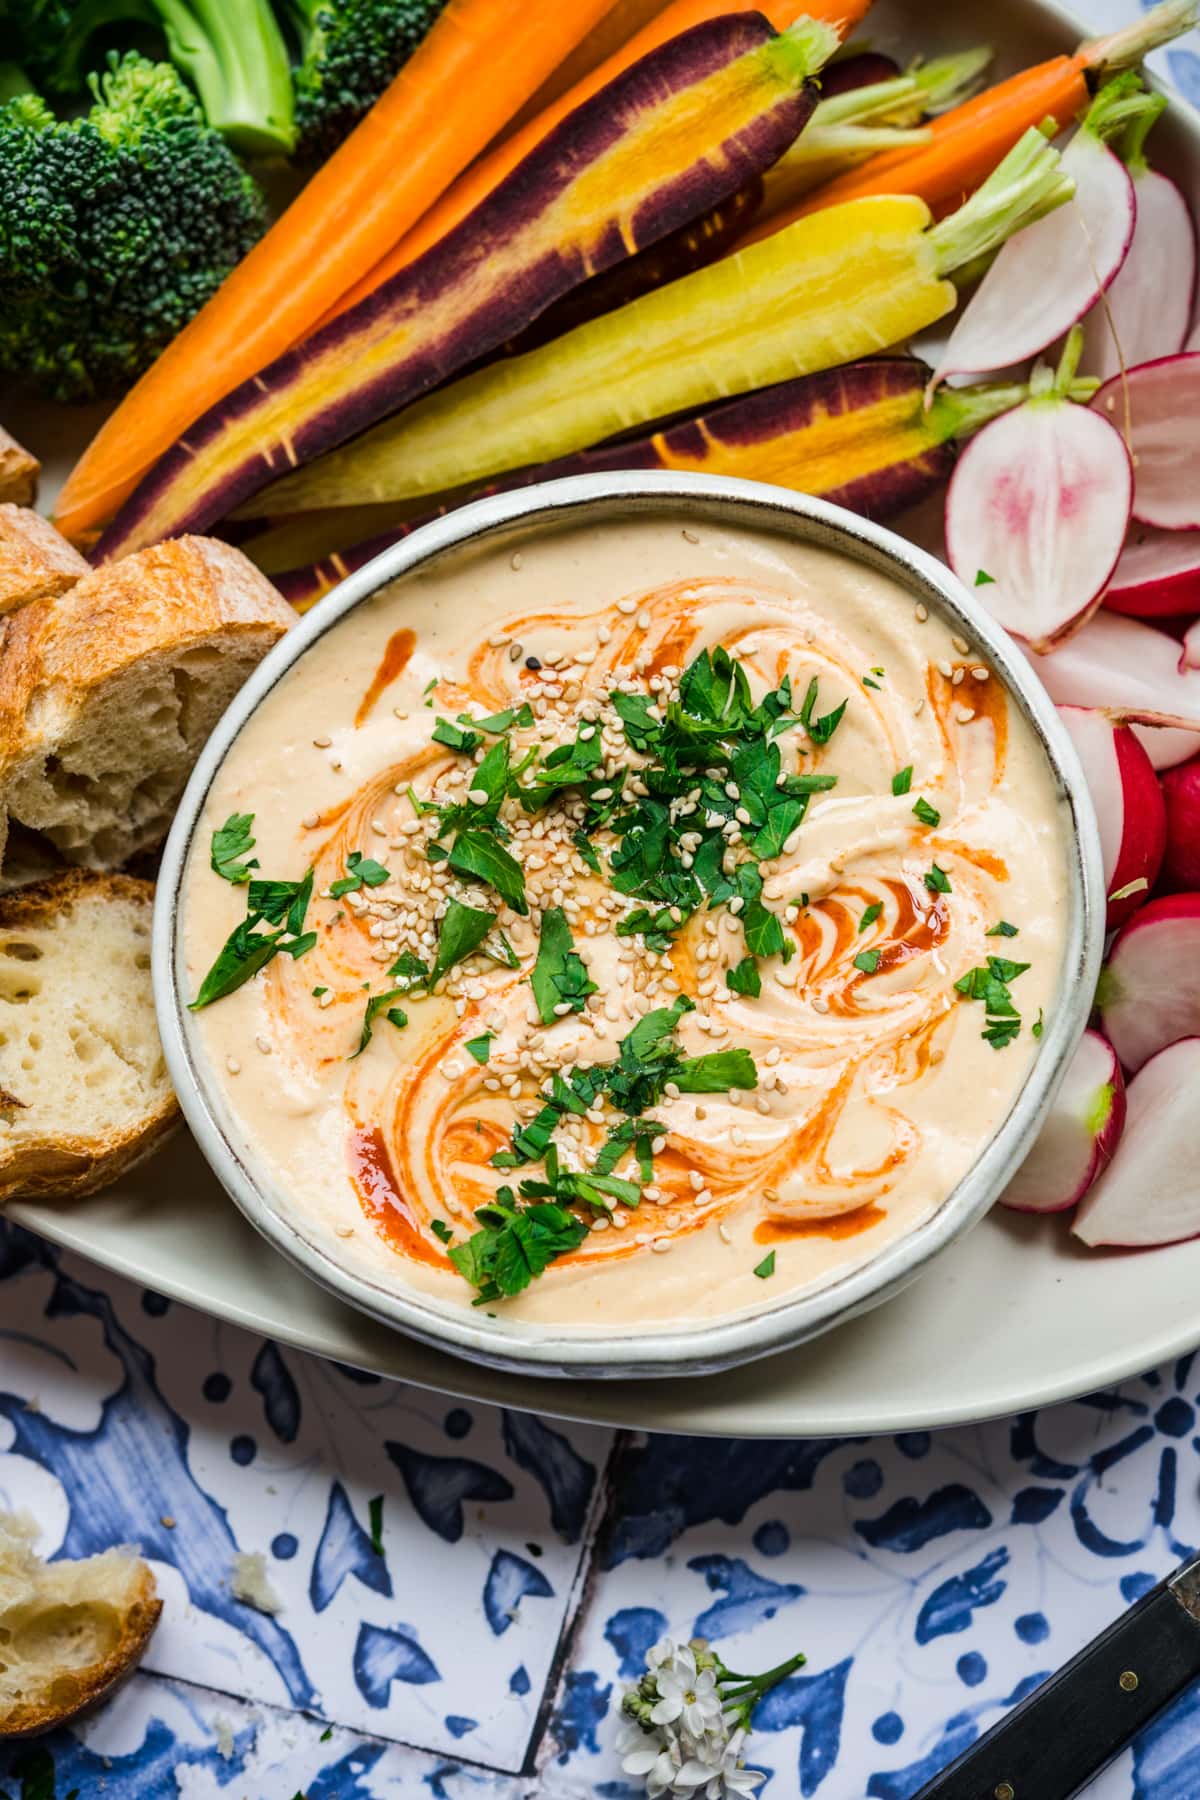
<point x="1005" y="1791"/>
<point x="1128" y="1680"/>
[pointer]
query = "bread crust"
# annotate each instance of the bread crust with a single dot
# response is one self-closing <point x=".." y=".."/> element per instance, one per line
<point x="77" y="1689"/>
<point x="36" y="561"/>
<point x="19" y="471"/>
<point x="69" y="1165"/>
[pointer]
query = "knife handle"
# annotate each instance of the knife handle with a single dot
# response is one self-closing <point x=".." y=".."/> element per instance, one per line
<point x="1054" y="1743"/>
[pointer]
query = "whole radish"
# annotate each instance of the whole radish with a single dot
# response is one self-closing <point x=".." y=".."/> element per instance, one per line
<point x="1052" y="273"/>
<point x="1079" y="1135"/>
<point x="1149" y="1193"/>
<point x="1129" y="806"/>
<point x="1156" y="405"/>
<point x="1038" y="505"/>
<point x="1147" y="309"/>
<point x="1181" y="794"/>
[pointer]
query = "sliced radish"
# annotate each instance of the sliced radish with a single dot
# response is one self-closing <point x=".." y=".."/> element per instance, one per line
<point x="1053" y="272"/>
<point x="1181" y="796"/>
<point x="1158" y="576"/>
<point x="1148" y="307"/>
<point x="1039" y="500"/>
<point x="1149" y="1193"/>
<point x="1189" y="655"/>
<point x="1079" y="1136"/>
<point x="1129" y="805"/>
<point x="1149" y="992"/>
<point x="1132" y="671"/>
<point x="1157" y="406"/>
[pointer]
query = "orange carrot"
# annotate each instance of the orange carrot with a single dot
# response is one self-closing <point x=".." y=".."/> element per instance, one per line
<point x="966" y="143"/>
<point x="479" y="63"/>
<point x="470" y="189"/>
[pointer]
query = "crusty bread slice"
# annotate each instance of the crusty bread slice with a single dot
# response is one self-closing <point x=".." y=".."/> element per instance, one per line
<point x="69" y="1631"/>
<point x="83" y="1086"/>
<point x="36" y="562"/>
<point x="108" y="692"/>
<point x="19" y="471"/>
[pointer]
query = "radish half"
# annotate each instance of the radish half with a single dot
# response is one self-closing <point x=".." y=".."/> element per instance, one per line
<point x="1132" y="671"/>
<point x="1079" y="1136"/>
<point x="1157" y="406"/>
<point x="1052" y="273"/>
<point x="1158" y="576"/>
<point x="1181" y="797"/>
<point x="1189" y="655"/>
<point x="1147" y="310"/>
<point x="1149" y="1193"/>
<point x="1129" y="806"/>
<point x="1039" y="501"/>
<point x="1149" y="991"/>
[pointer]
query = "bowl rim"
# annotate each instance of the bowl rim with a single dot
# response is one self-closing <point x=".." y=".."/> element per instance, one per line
<point x="700" y="1346"/>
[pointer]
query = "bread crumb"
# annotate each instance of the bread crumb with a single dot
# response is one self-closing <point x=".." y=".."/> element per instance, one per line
<point x="249" y="1583"/>
<point x="223" y="1732"/>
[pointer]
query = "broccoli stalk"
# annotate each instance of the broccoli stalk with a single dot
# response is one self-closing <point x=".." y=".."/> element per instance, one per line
<point x="349" y="52"/>
<point x="231" y="51"/>
<point x="114" y="228"/>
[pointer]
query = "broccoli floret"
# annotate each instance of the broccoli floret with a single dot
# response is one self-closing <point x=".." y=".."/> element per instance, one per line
<point x="349" y="52"/>
<point x="114" y="228"/>
<point x="232" y="51"/>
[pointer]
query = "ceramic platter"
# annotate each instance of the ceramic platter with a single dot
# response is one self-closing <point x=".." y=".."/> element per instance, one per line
<point x="1011" y="1317"/>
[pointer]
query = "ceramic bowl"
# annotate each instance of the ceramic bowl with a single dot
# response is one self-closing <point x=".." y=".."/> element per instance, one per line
<point x="508" y="521"/>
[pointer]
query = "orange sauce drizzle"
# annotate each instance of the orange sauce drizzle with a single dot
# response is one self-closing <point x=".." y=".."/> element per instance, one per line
<point x="374" y="1181"/>
<point x="844" y="1225"/>
<point x="392" y="664"/>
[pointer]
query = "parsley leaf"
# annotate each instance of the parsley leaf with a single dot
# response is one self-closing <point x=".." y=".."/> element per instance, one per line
<point x="1002" y="1022"/>
<point x="559" y="976"/>
<point x="744" y="978"/>
<point x="515" y="1245"/>
<point x="983" y="579"/>
<point x="478" y="856"/>
<point x="455" y="737"/>
<point x="410" y="971"/>
<point x="1002" y="929"/>
<point x="247" y="950"/>
<point x="230" y="842"/>
<point x="902" y="780"/>
<point x="766" y="1267"/>
<point x="375" y="1005"/>
<point x="820" y="730"/>
<point x="928" y="815"/>
<point x="480" y="1047"/>
<point x="362" y="871"/>
<point x="867" y="961"/>
<point x="441" y="1231"/>
<point x="869" y="916"/>
<point x="937" y="881"/>
<point x="463" y="930"/>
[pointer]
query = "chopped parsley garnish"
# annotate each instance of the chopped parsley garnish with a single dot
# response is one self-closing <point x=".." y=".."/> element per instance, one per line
<point x="463" y="930"/>
<point x="318" y="991"/>
<point x="375" y="1511"/>
<point x="1039" y="1024"/>
<point x="902" y="780"/>
<point x="1002" y="929"/>
<point x="230" y="842"/>
<point x="983" y="579"/>
<point x="498" y="723"/>
<point x="744" y="978"/>
<point x="480" y="1047"/>
<point x="990" y="984"/>
<point x="514" y="1245"/>
<point x="559" y="980"/>
<point x="867" y="961"/>
<point x="766" y="1267"/>
<point x="820" y="730"/>
<point x="870" y="915"/>
<point x="247" y="949"/>
<point x="410" y="971"/>
<point x="928" y="815"/>
<point x="441" y="1231"/>
<point x="376" y="1004"/>
<point x="477" y="856"/>
<point x="362" y="871"/>
<point x="456" y="737"/>
<point x="937" y="881"/>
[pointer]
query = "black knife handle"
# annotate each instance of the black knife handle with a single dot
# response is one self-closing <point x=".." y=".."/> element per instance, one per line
<point x="1055" y="1742"/>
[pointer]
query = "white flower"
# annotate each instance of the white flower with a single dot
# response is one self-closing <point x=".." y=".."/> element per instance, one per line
<point x="718" y="1771"/>
<point x="656" y="1756"/>
<point x="687" y="1695"/>
<point x="662" y="1652"/>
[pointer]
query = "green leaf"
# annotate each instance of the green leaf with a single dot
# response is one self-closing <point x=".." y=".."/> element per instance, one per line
<point x="244" y="952"/>
<point x="361" y="871"/>
<point x="441" y="1231"/>
<point x="499" y="722"/>
<point x="230" y="842"/>
<point x="983" y="579"/>
<point x="515" y="1246"/>
<point x="559" y="976"/>
<point x="744" y="978"/>
<point x="480" y="1047"/>
<point x="869" y="916"/>
<point x="642" y="732"/>
<point x="455" y="737"/>
<point x="867" y="961"/>
<point x="902" y="780"/>
<point x="375" y="1510"/>
<point x="375" y="1005"/>
<point x="1004" y="970"/>
<point x="928" y="815"/>
<point x="463" y="930"/>
<point x="410" y="971"/>
<point x="766" y="1267"/>
<point x="782" y="820"/>
<point x="1002" y="929"/>
<point x="586" y="849"/>
<point x="716" y="1073"/>
<point x="937" y="881"/>
<point x="820" y="730"/>
<point x="477" y="856"/>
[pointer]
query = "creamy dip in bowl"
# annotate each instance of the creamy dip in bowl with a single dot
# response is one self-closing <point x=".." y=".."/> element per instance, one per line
<point x="634" y="925"/>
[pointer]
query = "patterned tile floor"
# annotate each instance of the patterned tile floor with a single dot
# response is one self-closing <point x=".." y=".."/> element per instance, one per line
<point x="524" y="1567"/>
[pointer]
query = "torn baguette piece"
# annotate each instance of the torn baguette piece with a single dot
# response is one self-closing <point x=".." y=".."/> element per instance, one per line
<point x="36" y="562"/>
<point x="108" y="693"/>
<point x="69" y="1631"/>
<point x="19" y="471"/>
<point x="84" y="1092"/>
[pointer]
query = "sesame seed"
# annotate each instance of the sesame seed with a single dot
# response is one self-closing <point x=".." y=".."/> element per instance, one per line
<point x="980" y="674"/>
<point x="660" y="1246"/>
<point x="690" y="536"/>
<point x="478" y="796"/>
<point x="322" y="743"/>
<point x="325" y="999"/>
<point x="515" y="653"/>
<point x="310" y="821"/>
<point x="724" y="1233"/>
<point x="498" y="641"/>
<point x="514" y="561"/>
<point x="262" y="1044"/>
<point x="820" y="1004"/>
<point x="964" y="714"/>
<point x="922" y="613"/>
<point x="233" y="1065"/>
<point x="961" y="645"/>
<point x="944" y="670"/>
<point x="643" y="620"/>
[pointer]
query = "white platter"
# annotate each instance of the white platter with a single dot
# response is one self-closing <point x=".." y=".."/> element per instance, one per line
<point x="1012" y="1317"/>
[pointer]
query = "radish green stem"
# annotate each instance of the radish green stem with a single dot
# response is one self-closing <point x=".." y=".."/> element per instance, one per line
<point x="1132" y="147"/>
<point x="1122" y="105"/>
<point x="1028" y="184"/>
